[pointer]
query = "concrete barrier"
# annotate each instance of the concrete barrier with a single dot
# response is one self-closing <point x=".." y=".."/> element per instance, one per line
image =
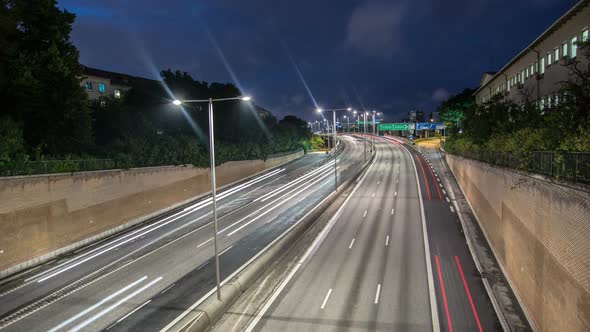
<point x="204" y="313"/>
<point x="42" y="216"/>
<point x="539" y="231"/>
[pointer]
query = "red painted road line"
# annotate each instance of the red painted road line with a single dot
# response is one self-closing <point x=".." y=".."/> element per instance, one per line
<point x="468" y="294"/>
<point x="444" y="294"/>
<point x="425" y="179"/>
<point x="433" y="179"/>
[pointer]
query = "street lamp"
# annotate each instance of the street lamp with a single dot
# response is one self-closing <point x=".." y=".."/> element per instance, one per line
<point x="212" y="169"/>
<point x="334" y="110"/>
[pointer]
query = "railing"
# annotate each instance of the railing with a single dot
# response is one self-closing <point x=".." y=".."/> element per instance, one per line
<point x="58" y="166"/>
<point x="570" y="166"/>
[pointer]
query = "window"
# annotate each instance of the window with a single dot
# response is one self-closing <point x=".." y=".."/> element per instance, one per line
<point x="556" y="55"/>
<point x="542" y="69"/>
<point x="102" y="88"/>
<point x="542" y="103"/>
<point x="88" y="86"/>
<point x="556" y="102"/>
<point x="549" y="59"/>
<point x="574" y="47"/>
<point x="585" y="35"/>
<point x="549" y="105"/>
<point x="117" y="94"/>
<point x="527" y="72"/>
<point x="522" y="77"/>
<point x="532" y="69"/>
<point x="564" y="50"/>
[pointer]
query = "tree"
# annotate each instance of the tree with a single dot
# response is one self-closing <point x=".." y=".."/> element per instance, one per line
<point x="44" y="91"/>
<point x="453" y="109"/>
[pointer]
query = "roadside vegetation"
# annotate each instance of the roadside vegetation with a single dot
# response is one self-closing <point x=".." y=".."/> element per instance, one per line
<point x="47" y="118"/>
<point x="503" y="126"/>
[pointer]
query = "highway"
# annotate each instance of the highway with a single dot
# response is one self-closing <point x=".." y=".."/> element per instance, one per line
<point x="392" y="258"/>
<point x="142" y="279"/>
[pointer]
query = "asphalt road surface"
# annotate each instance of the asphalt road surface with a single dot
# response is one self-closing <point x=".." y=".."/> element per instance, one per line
<point x="144" y="278"/>
<point x="393" y="258"/>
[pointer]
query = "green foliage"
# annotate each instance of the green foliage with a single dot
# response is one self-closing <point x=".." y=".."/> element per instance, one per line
<point x="43" y="92"/>
<point x="453" y="109"/>
<point x="317" y="142"/>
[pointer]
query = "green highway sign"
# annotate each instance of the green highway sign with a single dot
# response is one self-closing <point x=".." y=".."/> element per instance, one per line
<point x="394" y="126"/>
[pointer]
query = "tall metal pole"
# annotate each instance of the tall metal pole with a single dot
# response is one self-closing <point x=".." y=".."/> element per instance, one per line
<point x="214" y="195"/>
<point x="335" y="168"/>
<point x="373" y="138"/>
<point x="365" y="133"/>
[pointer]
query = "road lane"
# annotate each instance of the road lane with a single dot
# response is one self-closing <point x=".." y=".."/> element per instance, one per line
<point x="371" y="285"/>
<point x="168" y="254"/>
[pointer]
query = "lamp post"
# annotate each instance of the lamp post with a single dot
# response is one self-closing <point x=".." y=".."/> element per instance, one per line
<point x="212" y="170"/>
<point x="334" y="110"/>
<point x="374" y="128"/>
<point x="365" y="132"/>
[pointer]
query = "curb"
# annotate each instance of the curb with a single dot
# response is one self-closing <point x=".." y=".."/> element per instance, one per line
<point x="208" y="310"/>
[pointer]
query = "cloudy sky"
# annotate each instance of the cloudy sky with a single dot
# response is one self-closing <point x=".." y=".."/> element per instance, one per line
<point x="292" y="54"/>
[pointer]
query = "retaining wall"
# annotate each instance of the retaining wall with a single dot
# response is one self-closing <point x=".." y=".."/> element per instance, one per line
<point x="42" y="216"/>
<point x="540" y="231"/>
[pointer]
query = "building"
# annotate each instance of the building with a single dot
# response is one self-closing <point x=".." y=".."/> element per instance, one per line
<point x="101" y="83"/>
<point x="535" y="73"/>
<point x="412" y="116"/>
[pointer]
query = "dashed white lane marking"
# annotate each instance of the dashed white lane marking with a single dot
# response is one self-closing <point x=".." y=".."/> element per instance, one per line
<point x="440" y="185"/>
<point x="444" y="192"/>
<point x="437" y="179"/>
<point x="395" y="194"/>
<point x="373" y="195"/>
<point x="396" y="180"/>
<point x="377" y="293"/>
<point x="200" y="245"/>
<point x="378" y="182"/>
<point x="365" y="214"/>
<point x="392" y="210"/>
<point x="387" y="241"/>
<point x="225" y="250"/>
<point x="452" y="210"/>
<point x="351" y="244"/>
<point x="448" y="201"/>
<point x="326" y="298"/>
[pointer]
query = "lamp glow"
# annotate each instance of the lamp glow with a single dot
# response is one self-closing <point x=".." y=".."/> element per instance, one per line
<point x="319" y="110"/>
<point x="176" y="102"/>
<point x="246" y="98"/>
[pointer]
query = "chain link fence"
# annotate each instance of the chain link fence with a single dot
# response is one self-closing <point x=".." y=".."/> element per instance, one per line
<point x="570" y="166"/>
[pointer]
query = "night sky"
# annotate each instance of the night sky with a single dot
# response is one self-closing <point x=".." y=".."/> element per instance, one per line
<point x="386" y="55"/>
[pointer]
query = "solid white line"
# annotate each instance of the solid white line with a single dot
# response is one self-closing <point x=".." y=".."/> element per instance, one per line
<point x="326" y="298"/>
<point x="377" y="293"/>
<point x="318" y="240"/>
<point x="103" y="301"/>
<point x="168" y="288"/>
<point x="387" y="241"/>
<point x="134" y="311"/>
<point x="351" y="243"/>
<point x="226" y="249"/>
<point x="452" y="210"/>
<point x="107" y="310"/>
<point x="365" y="214"/>
<point x="294" y="182"/>
<point x="431" y="289"/>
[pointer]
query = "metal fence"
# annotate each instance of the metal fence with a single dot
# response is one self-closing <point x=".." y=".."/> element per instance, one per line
<point x="570" y="166"/>
<point x="58" y="166"/>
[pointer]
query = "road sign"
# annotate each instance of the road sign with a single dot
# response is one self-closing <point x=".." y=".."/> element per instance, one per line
<point x="394" y="126"/>
<point x="411" y="137"/>
<point x="429" y="125"/>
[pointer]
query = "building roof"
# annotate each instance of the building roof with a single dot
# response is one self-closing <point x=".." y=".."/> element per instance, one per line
<point x="116" y="78"/>
<point x="581" y="4"/>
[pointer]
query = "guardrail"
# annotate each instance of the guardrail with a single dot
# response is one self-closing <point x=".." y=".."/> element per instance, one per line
<point x="570" y="166"/>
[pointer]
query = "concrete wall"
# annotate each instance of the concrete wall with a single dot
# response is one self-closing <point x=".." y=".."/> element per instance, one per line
<point x="540" y="232"/>
<point x="45" y="215"/>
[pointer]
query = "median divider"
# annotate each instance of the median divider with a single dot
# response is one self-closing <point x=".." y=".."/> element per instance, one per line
<point x="205" y="312"/>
